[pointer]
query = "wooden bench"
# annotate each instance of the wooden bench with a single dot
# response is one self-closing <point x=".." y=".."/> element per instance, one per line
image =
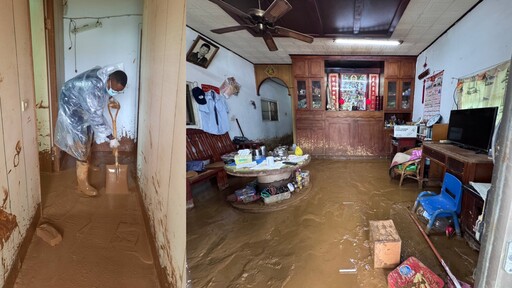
<point x="206" y="146"/>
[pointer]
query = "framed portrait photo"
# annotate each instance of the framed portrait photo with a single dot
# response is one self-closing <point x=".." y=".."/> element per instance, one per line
<point x="201" y="52"/>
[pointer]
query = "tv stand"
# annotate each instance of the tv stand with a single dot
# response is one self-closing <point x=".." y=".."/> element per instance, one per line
<point x="463" y="163"/>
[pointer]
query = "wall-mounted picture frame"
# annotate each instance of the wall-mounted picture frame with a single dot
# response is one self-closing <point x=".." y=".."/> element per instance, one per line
<point x="201" y="52"/>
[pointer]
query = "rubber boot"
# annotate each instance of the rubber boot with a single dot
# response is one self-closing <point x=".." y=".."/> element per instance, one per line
<point x="82" y="176"/>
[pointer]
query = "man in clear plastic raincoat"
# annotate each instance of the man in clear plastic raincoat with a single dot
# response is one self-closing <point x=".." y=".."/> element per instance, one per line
<point x="82" y="101"/>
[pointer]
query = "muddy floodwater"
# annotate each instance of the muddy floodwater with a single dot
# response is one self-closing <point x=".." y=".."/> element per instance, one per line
<point x="322" y="241"/>
<point x="105" y="243"/>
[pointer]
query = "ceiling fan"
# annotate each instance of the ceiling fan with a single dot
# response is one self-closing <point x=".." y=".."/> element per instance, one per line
<point x="263" y="21"/>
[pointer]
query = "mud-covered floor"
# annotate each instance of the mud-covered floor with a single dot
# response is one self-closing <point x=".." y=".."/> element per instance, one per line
<point x="104" y="238"/>
<point x="307" y="244"/>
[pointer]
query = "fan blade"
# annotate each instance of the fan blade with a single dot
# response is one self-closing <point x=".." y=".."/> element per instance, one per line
<point x="269" y="41"/>
<point x="294" y="34"/>
<point x="230" y="8"/>
<point x="231" y="29"/>
<point x="276" y="10"/>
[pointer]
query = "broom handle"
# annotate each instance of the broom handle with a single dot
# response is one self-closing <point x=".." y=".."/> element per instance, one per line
<point x="114" y="130"/>
<point x="452" y="277"/>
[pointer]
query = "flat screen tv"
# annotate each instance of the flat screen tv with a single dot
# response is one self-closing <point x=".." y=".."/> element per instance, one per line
<point x="472" y="128"/>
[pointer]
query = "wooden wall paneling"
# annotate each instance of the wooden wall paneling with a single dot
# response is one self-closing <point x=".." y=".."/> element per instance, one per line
<point x="30" y="173"/>
<point x="161" y="146"/>
<point x="282" y="72"/>
<point x="13" y="42"/>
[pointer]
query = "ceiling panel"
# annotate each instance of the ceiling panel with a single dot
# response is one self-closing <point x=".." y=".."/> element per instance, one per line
<point x="421" y="23"/>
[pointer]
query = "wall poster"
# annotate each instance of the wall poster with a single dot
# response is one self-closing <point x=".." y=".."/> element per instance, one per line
<point x="433" y="87"/>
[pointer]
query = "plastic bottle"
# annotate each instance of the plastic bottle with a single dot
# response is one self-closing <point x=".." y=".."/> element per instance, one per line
<point x="298" y="177"/>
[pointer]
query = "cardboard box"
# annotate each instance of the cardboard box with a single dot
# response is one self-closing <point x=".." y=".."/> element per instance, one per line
<point x="405" y="131"/>
<point x="243" y="159"/>
<point x="385" y="244"/>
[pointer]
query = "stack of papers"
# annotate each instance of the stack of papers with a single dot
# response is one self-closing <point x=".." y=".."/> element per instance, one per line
<point x="246" y="165"/>
<point x="295" y="158"/>
<point x="263" y="166"/>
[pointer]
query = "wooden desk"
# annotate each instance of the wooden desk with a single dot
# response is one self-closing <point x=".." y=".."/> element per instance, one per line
<point x="462" y="163"/>
<point x="401" y="144"/>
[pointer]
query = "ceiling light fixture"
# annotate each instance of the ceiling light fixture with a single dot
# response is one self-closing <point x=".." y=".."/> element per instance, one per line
<point x="368" y="42"/>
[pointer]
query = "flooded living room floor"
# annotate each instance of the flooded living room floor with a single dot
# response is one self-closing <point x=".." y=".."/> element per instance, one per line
<point x="310" y="242"/>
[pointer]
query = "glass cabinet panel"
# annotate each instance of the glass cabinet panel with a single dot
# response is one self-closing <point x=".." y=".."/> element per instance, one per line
<point x="302" y="100"/>
<point x="406" y="95"/>
<point x="316" y="94"/>
<point x="392" y="93"/>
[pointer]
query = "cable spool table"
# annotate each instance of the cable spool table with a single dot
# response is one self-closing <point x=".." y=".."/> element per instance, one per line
<point x="267" y="177"/>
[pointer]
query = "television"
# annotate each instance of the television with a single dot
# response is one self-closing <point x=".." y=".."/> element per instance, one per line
<point x="472" y="128"/>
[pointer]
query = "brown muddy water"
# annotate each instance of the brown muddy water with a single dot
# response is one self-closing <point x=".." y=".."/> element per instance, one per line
<point x="307" y="244"/>
<point x="104" y="244"/>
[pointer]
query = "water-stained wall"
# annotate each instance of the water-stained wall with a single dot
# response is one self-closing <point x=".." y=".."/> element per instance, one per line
<point x="19" y="172"/>
<point x="161" y="142"/>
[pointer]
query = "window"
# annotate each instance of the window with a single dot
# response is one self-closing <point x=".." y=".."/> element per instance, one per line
<point x="192" y="112"/>
<point x="269" y="110"/>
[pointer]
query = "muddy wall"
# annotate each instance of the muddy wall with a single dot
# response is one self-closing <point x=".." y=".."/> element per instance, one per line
<point x="161" y="146"/>
<point x="19" y="176"/>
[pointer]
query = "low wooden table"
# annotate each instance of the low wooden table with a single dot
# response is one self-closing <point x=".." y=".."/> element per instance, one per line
<point x="265" y="178"/>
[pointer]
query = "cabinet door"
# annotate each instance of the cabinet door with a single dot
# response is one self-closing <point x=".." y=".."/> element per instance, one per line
<point x="316" y="67"/>
<point x="299" y="67"/>
<point x="392" y="69"/>
<point x="407" y="69"/>
<point x="317" y="94"/>
<point x="406" y="92"/>
<point x="391" y="95"/>
<point x="301" y="94"/>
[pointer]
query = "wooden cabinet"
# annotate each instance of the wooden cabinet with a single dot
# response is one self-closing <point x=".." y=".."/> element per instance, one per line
<point x="400" y="68"/>
<point x="398" y="95"/>
<point x="399" y="85"/>
<point x="464" y="164"/>
<point x="306" y="67"/>
<point x="472" y="207"/>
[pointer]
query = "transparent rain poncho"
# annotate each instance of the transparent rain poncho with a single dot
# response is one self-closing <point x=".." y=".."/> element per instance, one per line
<point x="82" y="101"/>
